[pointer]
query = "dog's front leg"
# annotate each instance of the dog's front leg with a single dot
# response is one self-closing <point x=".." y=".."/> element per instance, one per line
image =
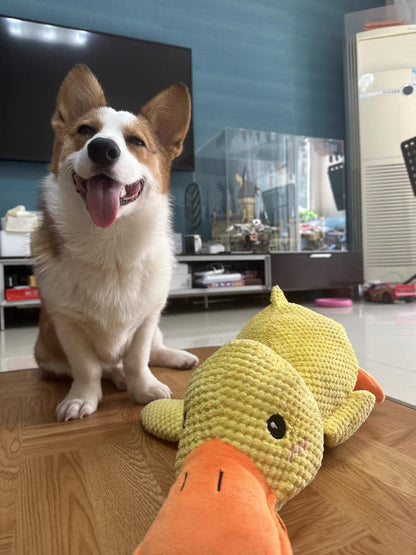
<point x="85" y="393"/>
<point x="141" y="383"/>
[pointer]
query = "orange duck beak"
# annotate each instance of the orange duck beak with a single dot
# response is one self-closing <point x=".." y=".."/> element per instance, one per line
<point x="220" y="504"/>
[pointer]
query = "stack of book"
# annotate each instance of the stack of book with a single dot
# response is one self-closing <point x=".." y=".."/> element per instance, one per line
<point x="216" y="281"/>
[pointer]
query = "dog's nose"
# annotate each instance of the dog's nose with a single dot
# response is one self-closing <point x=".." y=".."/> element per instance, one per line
<point x="103" y="151"/>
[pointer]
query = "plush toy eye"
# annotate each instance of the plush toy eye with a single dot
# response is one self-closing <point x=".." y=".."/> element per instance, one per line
<point x="276" y="426"/>
<point x="136" y="141"/>
<point x="86" y="130"/>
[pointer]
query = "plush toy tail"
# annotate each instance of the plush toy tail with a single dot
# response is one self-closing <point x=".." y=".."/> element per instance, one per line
<point x="277" y="297"/>
<point x="365" y="381"/>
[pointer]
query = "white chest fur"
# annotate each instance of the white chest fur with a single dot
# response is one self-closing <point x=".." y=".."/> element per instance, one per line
<point x="111" y="277"/>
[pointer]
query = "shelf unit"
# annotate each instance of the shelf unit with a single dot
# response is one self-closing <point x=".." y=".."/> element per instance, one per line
<point x="20" y="261"/>
<point x="229" y="259"/>
<point x="192" y="260"/>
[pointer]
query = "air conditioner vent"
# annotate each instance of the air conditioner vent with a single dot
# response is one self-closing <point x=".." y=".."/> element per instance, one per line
<point x="389" y="216"/>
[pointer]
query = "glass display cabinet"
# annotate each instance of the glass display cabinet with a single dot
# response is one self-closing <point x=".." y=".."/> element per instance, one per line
<point x="264" y="192"/>
<point x="281" y="198"/>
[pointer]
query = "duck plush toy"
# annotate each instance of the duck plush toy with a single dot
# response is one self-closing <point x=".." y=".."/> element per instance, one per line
<point x="251" y="432"/>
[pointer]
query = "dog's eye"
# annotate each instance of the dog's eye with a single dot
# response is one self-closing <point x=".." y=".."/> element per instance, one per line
<point x="136" y="141"/>
<point x="86" y="130"/>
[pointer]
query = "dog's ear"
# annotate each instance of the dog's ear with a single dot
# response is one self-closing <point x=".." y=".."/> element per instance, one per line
<point x="169" y="114"/>
<point x="79" y="92"/>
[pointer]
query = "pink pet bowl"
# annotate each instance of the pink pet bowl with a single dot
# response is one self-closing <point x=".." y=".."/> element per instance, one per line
<point x="333" y="303"/>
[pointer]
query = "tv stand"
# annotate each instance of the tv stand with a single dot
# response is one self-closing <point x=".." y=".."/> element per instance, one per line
<point x="261" y="262"/>
<point x="235" y="262"/>
<point x="292" y="271"/>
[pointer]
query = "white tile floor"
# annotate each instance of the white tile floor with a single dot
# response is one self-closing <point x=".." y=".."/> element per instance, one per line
<point x="384" y="338"/>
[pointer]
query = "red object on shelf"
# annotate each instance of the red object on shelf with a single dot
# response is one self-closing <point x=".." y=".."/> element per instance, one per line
<point x="21" y="293"/>
<point x="370" y="25"/>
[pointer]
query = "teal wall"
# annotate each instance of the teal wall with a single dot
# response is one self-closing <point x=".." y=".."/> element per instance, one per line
<point x="257" y="64"/>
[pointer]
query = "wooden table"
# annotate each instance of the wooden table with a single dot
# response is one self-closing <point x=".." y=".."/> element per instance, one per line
<point x="94" y="486"/>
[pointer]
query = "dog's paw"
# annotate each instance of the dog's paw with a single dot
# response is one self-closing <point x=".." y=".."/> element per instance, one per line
<point x="182" y="360"/>
<point x="174" y="358"/>
<point x="74" y="409"/>
<point x="149" y="390"/>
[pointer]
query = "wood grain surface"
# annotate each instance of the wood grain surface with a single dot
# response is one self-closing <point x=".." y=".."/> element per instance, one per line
<point x="94" y="486"/>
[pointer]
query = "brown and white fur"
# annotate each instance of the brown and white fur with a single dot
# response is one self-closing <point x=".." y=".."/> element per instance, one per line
<point x="103" y="285"/>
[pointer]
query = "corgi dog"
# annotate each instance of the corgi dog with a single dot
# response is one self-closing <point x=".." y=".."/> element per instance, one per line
<point x="103" y="253"/>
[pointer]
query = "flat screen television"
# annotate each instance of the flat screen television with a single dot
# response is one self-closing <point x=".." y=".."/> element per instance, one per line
<point x="34" y="59"/>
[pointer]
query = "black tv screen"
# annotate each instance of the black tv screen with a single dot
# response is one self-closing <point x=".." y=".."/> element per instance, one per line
<point x="34" y="59"/>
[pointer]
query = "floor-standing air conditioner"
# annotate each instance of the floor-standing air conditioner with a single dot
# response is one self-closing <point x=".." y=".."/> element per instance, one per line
<point x="386" y="82"/>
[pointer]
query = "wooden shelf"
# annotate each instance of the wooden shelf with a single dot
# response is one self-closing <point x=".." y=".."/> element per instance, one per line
<point x="203" y="291"/>
<point x="28" y="302"/>
<point x="221" y="257"/>
<point x="17" y="261"/>
<point x="195" y="261"/>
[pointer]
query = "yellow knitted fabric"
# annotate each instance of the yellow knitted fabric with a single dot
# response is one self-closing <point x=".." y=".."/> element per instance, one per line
<point x="319" y="349"/>
<point x="346" y="420"/>
<point x="289" y="364"/>
<point x="233" y="395"/>
<point x="164" y="418"/>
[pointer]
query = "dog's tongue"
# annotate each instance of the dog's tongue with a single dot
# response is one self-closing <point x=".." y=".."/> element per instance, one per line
<point x="103" y="200"/>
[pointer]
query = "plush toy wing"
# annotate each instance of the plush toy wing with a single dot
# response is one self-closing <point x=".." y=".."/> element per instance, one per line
<point x="164" y="419"/>
<point x="349" y="416"/>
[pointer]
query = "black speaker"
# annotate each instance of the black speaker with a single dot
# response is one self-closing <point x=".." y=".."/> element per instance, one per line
<point x="409" y="155"/>
<point x="336" y="178"/>
<point x="193" y="207"/>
